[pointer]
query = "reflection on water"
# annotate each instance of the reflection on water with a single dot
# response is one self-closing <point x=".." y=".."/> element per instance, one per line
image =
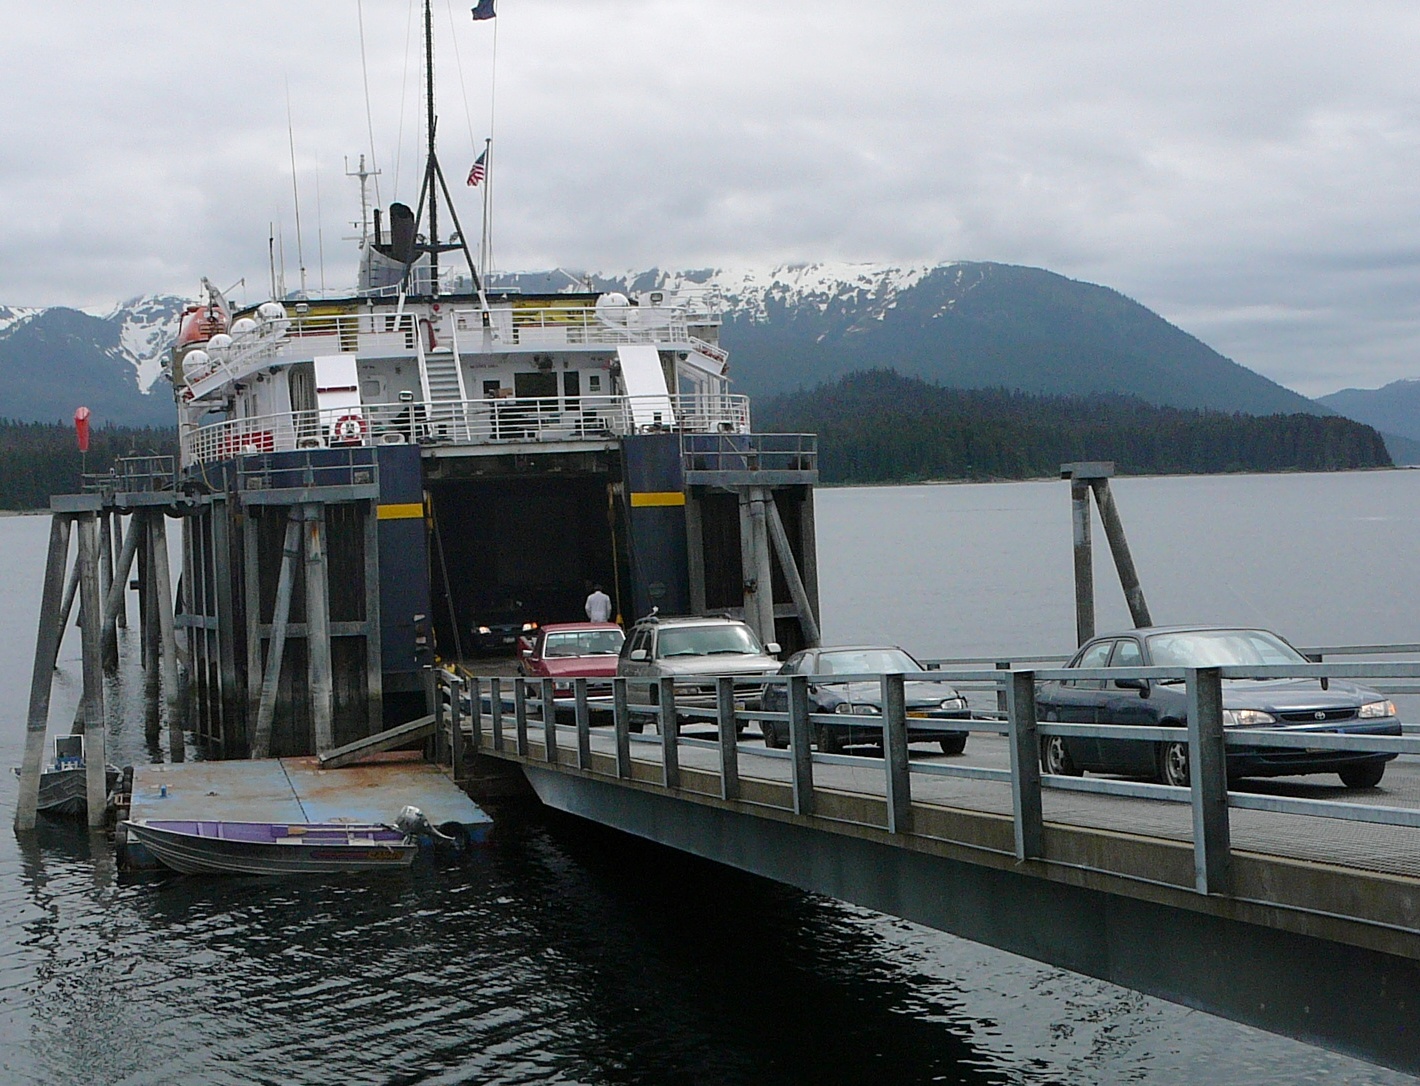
<point x="564" y="953"/>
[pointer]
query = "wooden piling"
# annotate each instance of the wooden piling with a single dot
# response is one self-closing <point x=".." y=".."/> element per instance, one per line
<point x="318" y="656"/>
<point x="120" y="573"/>
<point x="90" y="612"/>
<point x="149" y="631"/>
<point x="1119" y="548"/>
<point x="1084" y="561"/>
<point x="109" y="647"/>
<point x="797" y="592"/>
<point x="271" y="679"/>
<point x="71" y="593"/>
<point x="115" y="606"/>
<point x="167" y="632"/>
<point x="42" y="679"/>
<point x="755" y="563"/>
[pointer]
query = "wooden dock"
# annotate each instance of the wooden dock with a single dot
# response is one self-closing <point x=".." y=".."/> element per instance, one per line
<point x="298" y="790"/>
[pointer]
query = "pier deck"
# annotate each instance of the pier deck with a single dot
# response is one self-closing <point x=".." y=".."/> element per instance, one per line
<point x="297" y="790"/>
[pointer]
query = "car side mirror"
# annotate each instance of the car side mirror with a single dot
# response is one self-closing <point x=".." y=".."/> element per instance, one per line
<point x="1141" y="685"/>
<point x="772" y="648"/>
<point x="639" y="655"/>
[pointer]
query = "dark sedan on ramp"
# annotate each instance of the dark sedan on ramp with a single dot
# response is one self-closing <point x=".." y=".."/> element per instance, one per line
<point x="931" y="703"/>
<point x="1298" y="706"/>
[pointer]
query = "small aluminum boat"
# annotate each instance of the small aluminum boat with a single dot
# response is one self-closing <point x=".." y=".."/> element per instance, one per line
<point x="64" y="782"/>
<point x="273" y="848"/>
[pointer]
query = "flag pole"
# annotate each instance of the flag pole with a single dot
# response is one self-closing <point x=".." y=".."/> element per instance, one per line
<point x="483" y="245"/>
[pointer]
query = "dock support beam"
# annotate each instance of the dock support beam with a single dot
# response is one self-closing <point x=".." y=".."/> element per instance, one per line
<point x="1084" y="479"/>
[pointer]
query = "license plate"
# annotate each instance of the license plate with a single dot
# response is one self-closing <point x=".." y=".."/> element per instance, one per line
<point x="918" y="716"/>
<point x="508" y="640"/>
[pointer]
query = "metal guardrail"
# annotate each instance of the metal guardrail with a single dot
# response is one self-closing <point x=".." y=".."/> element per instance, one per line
<point x="466" y="422"/>
<point x="1207" y="741"/>
<point x="134" y="475"/>
<point x="305" y="469"/>
<point x="724" y="451"/>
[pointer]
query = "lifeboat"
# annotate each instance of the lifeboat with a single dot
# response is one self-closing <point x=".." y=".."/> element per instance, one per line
<point x="199" y="324"/>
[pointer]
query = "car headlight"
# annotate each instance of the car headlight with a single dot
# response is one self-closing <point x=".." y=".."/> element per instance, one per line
<point x="484" y="630"/>
<point x="529" y="626"/>
<point x="1246" y="718"/>
<point x="843" y="707"/>
<point x="1374" y="709"/>
<point x="954" y="703"/>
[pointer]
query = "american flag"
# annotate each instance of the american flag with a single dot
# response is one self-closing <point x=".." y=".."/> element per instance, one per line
<point x="476" y="174"/>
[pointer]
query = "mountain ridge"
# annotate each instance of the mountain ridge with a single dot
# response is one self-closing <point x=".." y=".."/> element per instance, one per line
<point x="787" y="327"/>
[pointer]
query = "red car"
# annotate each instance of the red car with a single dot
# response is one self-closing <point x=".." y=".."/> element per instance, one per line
<point x="567" y="650"/>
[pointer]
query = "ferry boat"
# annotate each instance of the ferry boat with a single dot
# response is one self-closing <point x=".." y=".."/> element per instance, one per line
<point x="448" y="450"/>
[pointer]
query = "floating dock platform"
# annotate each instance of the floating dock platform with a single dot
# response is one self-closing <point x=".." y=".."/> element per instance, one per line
<point x="298" y="790"/>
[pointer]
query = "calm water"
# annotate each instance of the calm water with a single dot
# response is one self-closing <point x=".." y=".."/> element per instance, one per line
<point x="566" y="954"/>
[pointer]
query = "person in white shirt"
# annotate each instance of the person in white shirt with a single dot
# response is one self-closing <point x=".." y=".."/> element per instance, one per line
<point x="598" y="606"/>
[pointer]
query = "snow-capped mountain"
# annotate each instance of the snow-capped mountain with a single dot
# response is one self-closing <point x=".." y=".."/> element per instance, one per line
<point x="52" y="360"/>
<point x="964" y="325"/>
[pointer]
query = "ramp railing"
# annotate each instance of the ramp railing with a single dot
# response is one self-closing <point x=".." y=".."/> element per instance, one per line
<point x="656" y="731"/>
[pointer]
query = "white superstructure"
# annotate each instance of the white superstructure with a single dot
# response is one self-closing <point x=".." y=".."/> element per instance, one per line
<point x="457" y="371"/>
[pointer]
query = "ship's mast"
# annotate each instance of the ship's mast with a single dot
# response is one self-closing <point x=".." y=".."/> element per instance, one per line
<point x="433" y="183"/>
<point x="430" y="165"/>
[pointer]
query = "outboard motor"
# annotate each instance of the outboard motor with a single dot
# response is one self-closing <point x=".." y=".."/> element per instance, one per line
<point x="412" y="822"/>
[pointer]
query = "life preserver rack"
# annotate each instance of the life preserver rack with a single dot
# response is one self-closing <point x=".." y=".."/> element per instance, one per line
<point x="351" y="429"/>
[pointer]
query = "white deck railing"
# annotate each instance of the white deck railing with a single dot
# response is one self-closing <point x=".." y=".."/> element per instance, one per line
<point x="467" y="422"/>
<point x="382" y="334"/>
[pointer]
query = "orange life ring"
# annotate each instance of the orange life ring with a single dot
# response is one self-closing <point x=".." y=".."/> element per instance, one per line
<point x="349" y="430"/>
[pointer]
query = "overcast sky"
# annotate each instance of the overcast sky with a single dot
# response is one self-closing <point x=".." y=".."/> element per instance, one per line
<point x="1250" y="171"/>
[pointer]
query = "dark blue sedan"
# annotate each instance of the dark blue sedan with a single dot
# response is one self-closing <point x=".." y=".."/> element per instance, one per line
<point x="1294" y="705"/>
<point x="930" y="702"/>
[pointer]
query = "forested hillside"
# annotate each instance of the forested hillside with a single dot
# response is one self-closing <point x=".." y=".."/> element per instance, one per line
<point x="878" y="426"/>
<point x="38" y="459"/>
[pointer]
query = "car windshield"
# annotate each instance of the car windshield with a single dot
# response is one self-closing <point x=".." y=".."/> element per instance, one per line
<point x="866" y="662"/>
<point x="1220" y="648"/>
<point x="708" y="641"/>
<point x="584" y="643"/>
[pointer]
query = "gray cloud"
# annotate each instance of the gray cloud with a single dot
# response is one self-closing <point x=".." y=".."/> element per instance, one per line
<point x="1249" y="171"/>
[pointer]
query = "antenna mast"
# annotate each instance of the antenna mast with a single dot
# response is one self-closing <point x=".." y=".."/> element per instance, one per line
<point x="361" y="174"/>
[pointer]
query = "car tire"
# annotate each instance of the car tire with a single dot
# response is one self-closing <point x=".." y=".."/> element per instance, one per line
<point x="1173" y="765"/>
<point x="955" y="744"/>
<point x="1362" y="775"/>
<point x="829" y="741"/>
<point x="771" y="737"/>
<point x="1055" y="758"/>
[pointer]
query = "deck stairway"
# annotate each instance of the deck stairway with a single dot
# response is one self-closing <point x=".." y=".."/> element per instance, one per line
<point x="443" y="384"/>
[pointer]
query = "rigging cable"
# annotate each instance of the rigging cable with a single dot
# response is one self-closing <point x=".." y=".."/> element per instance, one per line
<point x="295" y="192"/>
<point x="486" y="241"/>
<point x="403" y="95"/>
<point x="458" y="65"/>
<point x="369" y="118"/>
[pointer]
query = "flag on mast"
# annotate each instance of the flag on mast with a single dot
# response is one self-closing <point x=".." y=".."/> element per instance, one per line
<point x="483" y="10"/>
<point x="480" y="168"/>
